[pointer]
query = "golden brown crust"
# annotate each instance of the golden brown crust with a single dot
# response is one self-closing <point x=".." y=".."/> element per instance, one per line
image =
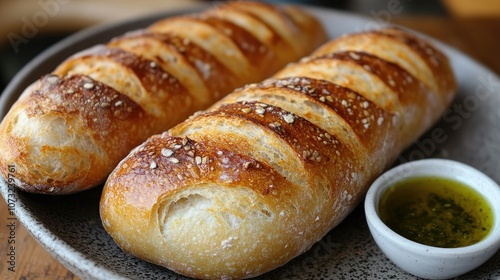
<point x="360" y="115"/>
<point x="93" y="110"/>
<point x="292" y="156"/>
<point x="195" y="165"/>
<point x="416" y="55"/>
<point x="64" y="143"/>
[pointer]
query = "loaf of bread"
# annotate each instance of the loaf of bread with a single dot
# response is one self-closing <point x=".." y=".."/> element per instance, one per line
<point x="69" y="129"/>
<point x="258" y="178"/>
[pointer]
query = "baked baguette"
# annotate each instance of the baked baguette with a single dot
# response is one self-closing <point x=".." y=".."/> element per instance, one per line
<point x="258" y="178"/>
<point x="70" y="128"/>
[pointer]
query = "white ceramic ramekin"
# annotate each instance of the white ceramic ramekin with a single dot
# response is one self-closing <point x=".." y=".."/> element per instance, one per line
<point x="428" y="261"/>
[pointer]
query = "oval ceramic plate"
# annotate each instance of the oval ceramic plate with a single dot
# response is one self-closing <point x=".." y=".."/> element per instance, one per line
<point x="69" y="227"/>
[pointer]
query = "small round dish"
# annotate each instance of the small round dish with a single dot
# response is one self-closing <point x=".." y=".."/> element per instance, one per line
<point x="428" y="261"/>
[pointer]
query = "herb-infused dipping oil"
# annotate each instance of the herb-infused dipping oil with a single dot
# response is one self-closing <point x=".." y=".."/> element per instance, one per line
<point x="436" y="211"/>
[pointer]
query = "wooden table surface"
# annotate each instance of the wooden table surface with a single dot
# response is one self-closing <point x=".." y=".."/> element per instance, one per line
<point x="479" y="38"/>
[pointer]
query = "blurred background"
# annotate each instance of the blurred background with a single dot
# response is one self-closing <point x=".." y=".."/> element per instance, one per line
<point x="27" y="27"/>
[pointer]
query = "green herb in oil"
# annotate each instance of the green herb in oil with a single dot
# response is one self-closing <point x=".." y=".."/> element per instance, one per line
<point x="436" y="211"/>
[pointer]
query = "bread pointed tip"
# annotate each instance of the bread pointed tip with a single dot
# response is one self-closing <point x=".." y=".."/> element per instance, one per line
<point x="46" y="134"/>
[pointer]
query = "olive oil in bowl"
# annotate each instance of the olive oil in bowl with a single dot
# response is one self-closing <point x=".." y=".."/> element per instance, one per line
<point x="436" y="211"/>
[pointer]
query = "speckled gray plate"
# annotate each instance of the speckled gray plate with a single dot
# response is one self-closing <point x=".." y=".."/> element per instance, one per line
<point x="70" y="229"/>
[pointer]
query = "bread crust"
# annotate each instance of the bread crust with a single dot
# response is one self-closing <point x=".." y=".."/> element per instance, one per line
<point x="71" y="127"/>
<point x="259" y="177"/>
